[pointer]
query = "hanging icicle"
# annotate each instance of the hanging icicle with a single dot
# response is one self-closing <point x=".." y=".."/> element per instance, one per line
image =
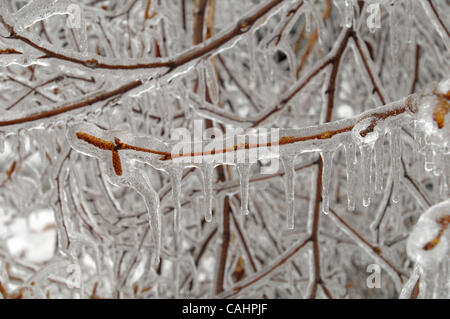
<point x="207" y="172"/>
<point x="175" y="173"/>
<point x="379" y="164"/>
<point x="244" y="176"/>
<point x="396" y="152"/>
<point x="327" y="158"/>
<point x="289" y="188"/>
<point x="351" y="161"/>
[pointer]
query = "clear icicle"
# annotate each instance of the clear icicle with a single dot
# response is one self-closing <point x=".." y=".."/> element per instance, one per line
<point x="350" y="156"/>
<point x="379" y="164"/>
<point x="327" y="158"/>
<point x="395" y="159"/>
<point x="366" y="163"/>
<point x="175" y="179"/>
<point x="141" y="183"/>
<point x="244" y="175"/>
<point x="207" y="172"/>
<point x="289" y="182"/>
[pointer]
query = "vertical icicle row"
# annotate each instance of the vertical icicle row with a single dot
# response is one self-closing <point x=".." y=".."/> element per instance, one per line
<point x="327" y="158"/>
<point x="350" y="157"/>
<point x="244" y="176"/>
<point x="175" y="179"/>
<point x="207" y="172"/>
<point x="366" y="163"/>
<point x="289" y="185"/>
<point x="395" y="159"/>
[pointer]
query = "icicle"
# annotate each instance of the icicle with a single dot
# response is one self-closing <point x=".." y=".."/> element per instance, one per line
<point x="141" y="183"/>
<point x="327" y="158"/>
<point x="244" y="175"/>
<point x="289" y="182"/>
<point x="175" y="179"/>
<point x="350" y="157"/>
<point x="379" y="164"/>
<point x="364" y="135"/>
<point x="395" y="159"/>
<point x="366" y="162"/>
<point x="207" y="171"/>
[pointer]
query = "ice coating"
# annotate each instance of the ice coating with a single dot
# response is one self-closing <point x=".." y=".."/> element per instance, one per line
<point x="133" y="110"/>
<point x="93" y="141"/>
<point x="38" y="10"/>
<point x="433" y="114"/>
<point x="428" y="242"/>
